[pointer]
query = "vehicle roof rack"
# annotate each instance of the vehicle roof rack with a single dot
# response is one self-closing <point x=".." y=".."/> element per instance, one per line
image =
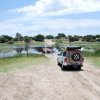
<point x="73" y="47"/>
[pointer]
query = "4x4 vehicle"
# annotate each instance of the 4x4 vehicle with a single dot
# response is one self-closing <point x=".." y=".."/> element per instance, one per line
<point x="71" y="57"/>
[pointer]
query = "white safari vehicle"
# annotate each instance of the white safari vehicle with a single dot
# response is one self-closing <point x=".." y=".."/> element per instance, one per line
<point x="71" y="57"/>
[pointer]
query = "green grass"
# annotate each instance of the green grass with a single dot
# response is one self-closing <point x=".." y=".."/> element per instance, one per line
<point x="95" y="45"/>
<point x="32" y="43"/>
<point x="94" y="61"/>
<point x="8" y="64"/>
<point x="37" y="43"/>
<point x="92" y="54"/>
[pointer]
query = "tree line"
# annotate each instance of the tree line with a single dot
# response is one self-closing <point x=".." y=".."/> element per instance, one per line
<point x="40" y="37"/>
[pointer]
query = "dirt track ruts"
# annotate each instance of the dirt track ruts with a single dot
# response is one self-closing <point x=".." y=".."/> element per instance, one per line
<point x="48" y="82"/>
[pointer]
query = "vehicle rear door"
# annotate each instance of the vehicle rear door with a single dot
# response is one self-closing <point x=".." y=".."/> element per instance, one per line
<point x="75" y="56"/>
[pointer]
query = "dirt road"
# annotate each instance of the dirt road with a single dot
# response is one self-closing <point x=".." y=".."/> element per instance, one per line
<point x="49" y="42"/>
<point x="48" y="82"/>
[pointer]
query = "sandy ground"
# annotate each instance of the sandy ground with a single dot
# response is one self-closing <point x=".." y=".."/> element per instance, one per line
<point x="49" y="42"/>
<point x="48" y="82"/>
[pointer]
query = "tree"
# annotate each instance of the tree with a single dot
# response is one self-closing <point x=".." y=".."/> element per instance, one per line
<point x="27" y="40"/>
<point x="71" y="39"/>
<point x="76" y="38"/>
<point x="61" y="35"/>
<point x="18" y="37"/>
<point x="2" y="39"/>
<point x="49" y="37"/>
<point x="5" y="38"/>
<point x="97" y="36"/>
<point x="9" y="38"/>
<point x="39" y="37"/>
<point x="89" y="38"/>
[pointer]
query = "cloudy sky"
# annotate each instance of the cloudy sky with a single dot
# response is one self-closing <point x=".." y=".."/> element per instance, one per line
<point x="31" y="17"/>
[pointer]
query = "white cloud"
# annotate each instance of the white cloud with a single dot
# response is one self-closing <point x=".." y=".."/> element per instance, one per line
<point x="59" y="7"/>
<point x="46" y="26"/>
<point x="36" y="18"/>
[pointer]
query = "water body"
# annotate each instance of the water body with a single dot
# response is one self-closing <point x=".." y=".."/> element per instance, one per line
<point x="36" y="49"/>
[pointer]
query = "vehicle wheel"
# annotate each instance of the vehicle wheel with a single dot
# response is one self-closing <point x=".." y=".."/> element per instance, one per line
<point x="62" y="67"/>
<point x="58" y="63"/>
<point x="76" y="56"/>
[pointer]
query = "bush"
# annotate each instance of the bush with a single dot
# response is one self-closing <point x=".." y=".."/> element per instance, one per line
<point x="91" y="54"/>
<point x="88" y="54"/>
<point x="97" y="53"/>
<point x="60" y="41"/>
<point x="39" y="38"/>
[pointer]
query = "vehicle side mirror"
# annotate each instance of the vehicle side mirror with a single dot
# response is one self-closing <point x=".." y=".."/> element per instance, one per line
<point x="58" y="54"/>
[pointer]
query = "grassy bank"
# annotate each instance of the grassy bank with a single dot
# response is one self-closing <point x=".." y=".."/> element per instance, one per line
<point x="96" y="53"/>
<point x="94" y="61"/>
<point x="8" y="64"/>
<point x="93" y="57"/>
<point x="95" y="45"/>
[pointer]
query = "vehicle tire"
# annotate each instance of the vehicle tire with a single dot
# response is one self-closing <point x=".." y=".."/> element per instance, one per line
<point x="58" y="62"/>
<point x="62" y="66"/>
<point x="76" y="57"/>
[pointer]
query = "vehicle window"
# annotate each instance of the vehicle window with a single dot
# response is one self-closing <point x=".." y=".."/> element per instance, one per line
<point x="60" y="54"/>
<point x="64" y="53"/>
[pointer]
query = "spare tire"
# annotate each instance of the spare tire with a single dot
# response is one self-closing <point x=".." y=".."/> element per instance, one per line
<point x="76" y="57"/>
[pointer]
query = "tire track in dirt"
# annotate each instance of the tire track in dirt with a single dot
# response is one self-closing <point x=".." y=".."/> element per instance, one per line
<point x="48" y="82"/>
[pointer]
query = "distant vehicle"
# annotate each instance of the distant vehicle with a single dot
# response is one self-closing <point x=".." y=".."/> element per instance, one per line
<point x="71" y="57"/>
<point x="46" y="50"/>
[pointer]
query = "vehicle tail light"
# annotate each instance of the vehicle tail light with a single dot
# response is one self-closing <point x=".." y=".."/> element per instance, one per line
<point x="65" y="60"/>
<point x="82" y="59"/>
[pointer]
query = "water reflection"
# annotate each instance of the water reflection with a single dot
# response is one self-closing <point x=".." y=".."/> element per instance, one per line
<point x="7" y="54"/>
<point x="36" y="49"/>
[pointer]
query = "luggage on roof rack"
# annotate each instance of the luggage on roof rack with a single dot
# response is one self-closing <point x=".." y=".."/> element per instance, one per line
<point x="73" y="47"/>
